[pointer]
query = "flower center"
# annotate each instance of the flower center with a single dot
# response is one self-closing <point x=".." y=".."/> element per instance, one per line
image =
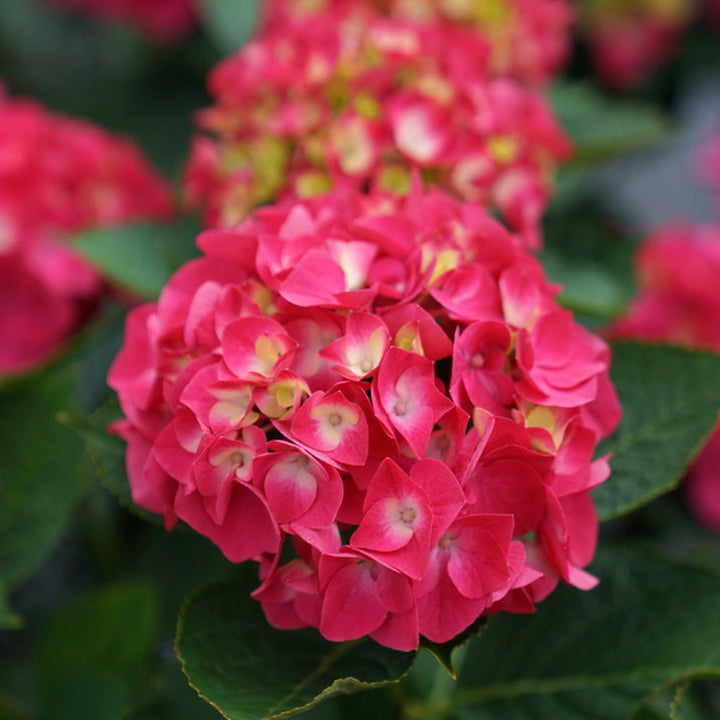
<point x="408" y="514"/>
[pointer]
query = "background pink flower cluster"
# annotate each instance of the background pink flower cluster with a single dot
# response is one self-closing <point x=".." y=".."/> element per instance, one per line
<point x="525" y="39"/>
<point x="389" y="388"/>
<point x="349" y="95"/>
<point x="58" y="176"/>
<point x="629" y="39"/>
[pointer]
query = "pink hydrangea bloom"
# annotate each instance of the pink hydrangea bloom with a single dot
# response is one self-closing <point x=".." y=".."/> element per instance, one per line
<point x="160" y="20"/>
<point x="678" y="271"/>
<point x="343" y="97"/>
<point x="58" y="176"/>
<point x="525" y="39"/>
<point x="385" y="385"/>
<point x="629" y="39"/>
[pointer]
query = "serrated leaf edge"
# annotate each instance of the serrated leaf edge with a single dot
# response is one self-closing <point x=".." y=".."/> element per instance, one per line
<point x="330" y="691"/>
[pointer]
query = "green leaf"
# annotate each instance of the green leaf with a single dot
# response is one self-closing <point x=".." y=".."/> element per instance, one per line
<point x="670" y="398"/>
<point x="379" y="704"/>
<point x="41" y="478"/>
<point x="651" y="623"/>
<point x="444" y="652"/>
<point x="8" y="619"/>
<point x="671" y="703"/>
<point x="107" y="454"/>
<point x="600" y="127"/>
<point x="697" y="701"/>
<point x="107" y="451"/>
<point x="588" y="289"/>
<point x="11" y="709"/>
<point x="229" y="22"/>
<point x="175" y="700"/>
<point x="596" y="274"/>
<point x="93" y="657"/>
<point x="33" y="37"/>
<point x="249" y="670"/>
<point x="140" y="258"/>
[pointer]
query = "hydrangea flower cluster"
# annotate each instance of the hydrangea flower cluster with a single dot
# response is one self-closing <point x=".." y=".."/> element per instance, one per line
<point x="342" y="97"/>
<point x="58" y="176"/>
<point x="678" y="271"/>
<point x="629" y="39"/>
<point x="164" y="21"/>
<point x="385" y="386"/>
<point x="525" y="39"/>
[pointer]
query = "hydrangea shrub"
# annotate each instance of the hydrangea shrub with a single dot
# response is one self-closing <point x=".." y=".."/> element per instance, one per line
<point x="366" y="393"/>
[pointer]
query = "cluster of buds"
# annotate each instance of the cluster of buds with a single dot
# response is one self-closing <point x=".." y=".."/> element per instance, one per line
<point x="678" y="272"/>
<point x="525" y="39"/>
<point x="347" y="96"/>
<point x="379" y="400"/>
<point x="58" y="176"/>
<point x="163" y="21"/>
<point x="629" y="39"/>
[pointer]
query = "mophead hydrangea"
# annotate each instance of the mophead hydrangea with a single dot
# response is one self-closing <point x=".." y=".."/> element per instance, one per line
<point x="378" y="400"/>
<point x="59" y="176"/>
<point x="347" y="96"/>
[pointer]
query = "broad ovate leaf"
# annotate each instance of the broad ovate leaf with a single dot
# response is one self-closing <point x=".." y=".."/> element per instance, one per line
<point x="249" y="670"/>
<point x="670" y="399"/>
<point x="651" y="623"/>
<point x="40" y="472"/>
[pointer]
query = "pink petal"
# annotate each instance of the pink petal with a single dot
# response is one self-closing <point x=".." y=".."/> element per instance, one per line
<point x="332" y="425"/>
<point x="256" y="348"/>
<point x="478" y="562"/>
<point x="248" y="529"/>
<point x="382" y="527"/>
<point x="314" y="281"/>
<point x="443" y="491"/>
<point x="351" y="605"/>
<point x="290" y="488"/>
<point x="399" y="631"/>
<point x="444" y="613"/>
